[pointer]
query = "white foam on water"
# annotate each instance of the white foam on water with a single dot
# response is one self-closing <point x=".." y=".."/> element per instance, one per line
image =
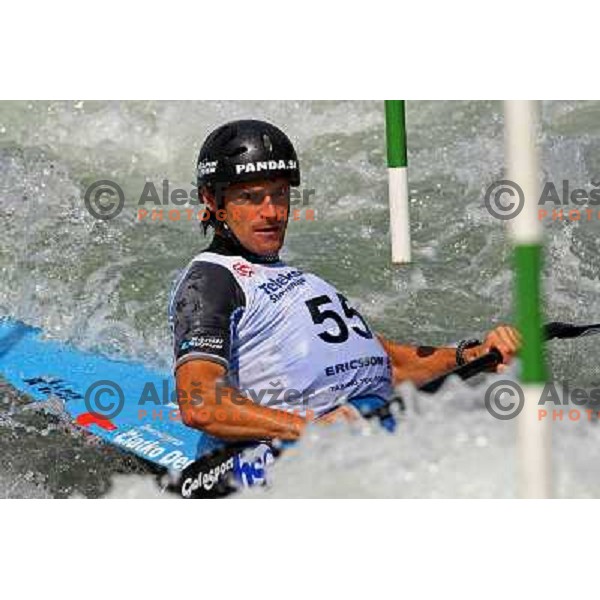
<point x="448" y="446"/>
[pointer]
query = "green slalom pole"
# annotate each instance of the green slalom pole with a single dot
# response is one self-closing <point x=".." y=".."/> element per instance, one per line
<point x="534" y="434"/>
<point x="395" y="129"/>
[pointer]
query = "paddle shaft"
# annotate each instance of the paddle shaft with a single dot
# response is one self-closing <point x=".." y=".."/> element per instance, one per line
<point x="553" y="330"/>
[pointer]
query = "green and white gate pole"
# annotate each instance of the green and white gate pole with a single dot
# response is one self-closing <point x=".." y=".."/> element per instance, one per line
<point x="397" y="180"/>
<point x="533" y="435"/>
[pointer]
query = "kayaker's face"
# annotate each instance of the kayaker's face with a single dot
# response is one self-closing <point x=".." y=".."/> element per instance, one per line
<point x="257" y="214"/>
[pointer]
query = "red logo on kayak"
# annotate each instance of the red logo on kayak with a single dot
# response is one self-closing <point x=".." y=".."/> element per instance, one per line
<point x="244" y="269"/>
<point x="87" y="419"/>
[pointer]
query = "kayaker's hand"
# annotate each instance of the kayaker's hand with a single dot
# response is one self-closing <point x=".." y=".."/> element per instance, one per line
<point x="505" y="338"/>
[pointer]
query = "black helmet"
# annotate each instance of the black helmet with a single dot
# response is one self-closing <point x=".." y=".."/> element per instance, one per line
<point x="246" y="150"/>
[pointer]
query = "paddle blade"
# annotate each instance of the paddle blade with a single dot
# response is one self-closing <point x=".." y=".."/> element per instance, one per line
<point x="556" y="329"/>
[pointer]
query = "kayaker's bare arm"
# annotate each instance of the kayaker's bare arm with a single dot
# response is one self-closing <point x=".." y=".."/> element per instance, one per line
<point x="224" y="412"/>
<point x="419" y="364"/>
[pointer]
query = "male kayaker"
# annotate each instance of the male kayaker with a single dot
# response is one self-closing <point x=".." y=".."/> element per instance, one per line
<point x="261" y="348"/>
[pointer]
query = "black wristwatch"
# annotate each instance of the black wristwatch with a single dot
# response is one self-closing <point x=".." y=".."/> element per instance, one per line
<point x="460" y="349"/>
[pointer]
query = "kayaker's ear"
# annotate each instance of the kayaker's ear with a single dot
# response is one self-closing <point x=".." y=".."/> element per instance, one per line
<point x="207" y="197"/>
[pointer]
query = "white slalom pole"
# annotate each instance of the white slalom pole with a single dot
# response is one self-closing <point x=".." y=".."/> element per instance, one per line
<point x="398" y="180"/>
<point x="534" y="450"/>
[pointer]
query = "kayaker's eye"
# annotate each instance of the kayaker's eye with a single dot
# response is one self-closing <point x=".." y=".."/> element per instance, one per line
<point x="280" y="194"/>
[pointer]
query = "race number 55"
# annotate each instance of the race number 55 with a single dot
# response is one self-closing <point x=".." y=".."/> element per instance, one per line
<point x="320" y="313"/>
